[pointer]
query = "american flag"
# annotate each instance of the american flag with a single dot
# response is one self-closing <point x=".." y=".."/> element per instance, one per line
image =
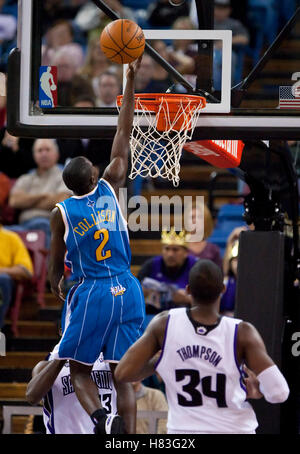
<point x="286" y="98"/>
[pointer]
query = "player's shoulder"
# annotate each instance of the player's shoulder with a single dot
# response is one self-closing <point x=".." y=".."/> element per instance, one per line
<point x="246" y="332"/>
<point x="158" y="322"/>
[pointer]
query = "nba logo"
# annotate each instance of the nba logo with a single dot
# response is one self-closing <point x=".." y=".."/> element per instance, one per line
<point x="48" y="87"/>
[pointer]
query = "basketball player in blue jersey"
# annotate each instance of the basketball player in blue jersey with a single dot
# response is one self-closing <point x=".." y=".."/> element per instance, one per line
<point x="105" y="310"/>
<point x="201" y="362"/>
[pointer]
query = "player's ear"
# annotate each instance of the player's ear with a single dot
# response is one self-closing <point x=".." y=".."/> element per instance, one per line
<point x="95" y="175"/>
<point x="187" y="289"/>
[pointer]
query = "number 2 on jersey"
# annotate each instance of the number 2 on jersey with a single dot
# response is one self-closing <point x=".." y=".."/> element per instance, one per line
<point x="105" y="237"/>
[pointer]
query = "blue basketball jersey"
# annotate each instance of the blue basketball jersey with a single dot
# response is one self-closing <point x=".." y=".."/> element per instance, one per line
<point x="96" y="234"/>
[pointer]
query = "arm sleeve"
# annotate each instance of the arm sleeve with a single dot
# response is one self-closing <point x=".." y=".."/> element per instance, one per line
<point x="273" y="385"/>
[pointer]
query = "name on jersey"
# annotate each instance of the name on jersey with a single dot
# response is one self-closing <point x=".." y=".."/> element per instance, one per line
<point x="101" y="216"/>
<point x="102" y="378"/>
<point x="201" y="352"/>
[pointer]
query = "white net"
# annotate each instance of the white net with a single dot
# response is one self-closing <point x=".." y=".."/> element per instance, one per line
<point x="157" y="153"/>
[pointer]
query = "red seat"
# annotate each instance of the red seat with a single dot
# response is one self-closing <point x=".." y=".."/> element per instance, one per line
<point x="34" y="240"/>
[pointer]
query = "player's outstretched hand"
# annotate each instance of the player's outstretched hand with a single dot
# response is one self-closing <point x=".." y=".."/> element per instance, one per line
<point x="133" y="67"/>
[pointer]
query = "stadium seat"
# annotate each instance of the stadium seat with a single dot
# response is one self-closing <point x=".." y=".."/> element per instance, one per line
<point x="230" y="212"/>
<point x="34" y="240"/>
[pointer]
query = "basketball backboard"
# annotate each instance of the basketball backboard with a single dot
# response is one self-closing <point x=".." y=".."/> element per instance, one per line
<point x="265" y="106"/>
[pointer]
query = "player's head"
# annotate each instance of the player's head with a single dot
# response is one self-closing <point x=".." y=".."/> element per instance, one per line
<point x="80" y="175"/>
<point x="205" y="282"/>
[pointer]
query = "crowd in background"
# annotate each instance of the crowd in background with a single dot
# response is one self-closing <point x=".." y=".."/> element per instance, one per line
<point x="86" y="78"/>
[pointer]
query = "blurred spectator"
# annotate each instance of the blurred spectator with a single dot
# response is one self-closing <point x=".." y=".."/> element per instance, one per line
<point x="69" y="59"/>
<point x="266" y="18"/>
<point x="149" y="399"/>
<point x="62" y="9"/>
<point x="185" y="46"/>
<point x="4" y="188"/>
<point x="200" y="219"/>
<point x="8" y="31"/>
<point x="228" y="298"/>
<point x="162" y="14"/>
<point x="15" y="154"/>
<point x="144" y="80"/>
<point x="184" y="55"/>
<point x="96" y="62"/>
<point x="36" y="193"/>
<point x="77" y="88"/>
<point x="108" y="89"/>
<point x="240" y="38"/>
<point x="9" y="7"/>
<point x="231" y="240"/>
<point x="15" y="265"/>
<point x="96" y="150"/>
<point x="181" y="62"/>
<point x="92" y="20"/>
<point x="144" y="76"/>
<point x="164" y="278"/>
<point x="223" y="21"/>
<point x="59" y="35"/>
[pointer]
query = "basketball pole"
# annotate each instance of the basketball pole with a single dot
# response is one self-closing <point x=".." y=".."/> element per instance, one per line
<point x="204" y="63"/>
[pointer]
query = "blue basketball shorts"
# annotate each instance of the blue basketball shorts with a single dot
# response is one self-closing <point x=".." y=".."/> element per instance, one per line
<point x="101" y="315"/>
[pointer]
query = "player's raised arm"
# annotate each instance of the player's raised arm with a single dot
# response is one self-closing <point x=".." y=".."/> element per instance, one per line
<point x="116" y="171"/>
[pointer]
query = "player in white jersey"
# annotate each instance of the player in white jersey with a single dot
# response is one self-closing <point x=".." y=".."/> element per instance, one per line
<point x="62" y="412"/>
<point x="201" y="361"/>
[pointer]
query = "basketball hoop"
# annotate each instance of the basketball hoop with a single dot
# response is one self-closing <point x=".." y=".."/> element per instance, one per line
<point x="157" y="140"/>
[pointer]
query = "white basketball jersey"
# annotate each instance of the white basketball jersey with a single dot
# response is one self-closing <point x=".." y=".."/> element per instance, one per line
<point x="63" y="414"/>
<point x="203" y="379"/>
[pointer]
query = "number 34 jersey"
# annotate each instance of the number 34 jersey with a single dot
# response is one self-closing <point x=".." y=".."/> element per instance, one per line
<point x="96" y="234"/>
<point x="203" y="379"/>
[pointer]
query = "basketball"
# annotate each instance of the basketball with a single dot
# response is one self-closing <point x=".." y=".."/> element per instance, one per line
<point x="122" y="41"/>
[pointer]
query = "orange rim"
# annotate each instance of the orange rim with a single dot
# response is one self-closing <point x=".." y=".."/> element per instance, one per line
<point x="176" y="103"/>
<point x="151" y="101"/>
